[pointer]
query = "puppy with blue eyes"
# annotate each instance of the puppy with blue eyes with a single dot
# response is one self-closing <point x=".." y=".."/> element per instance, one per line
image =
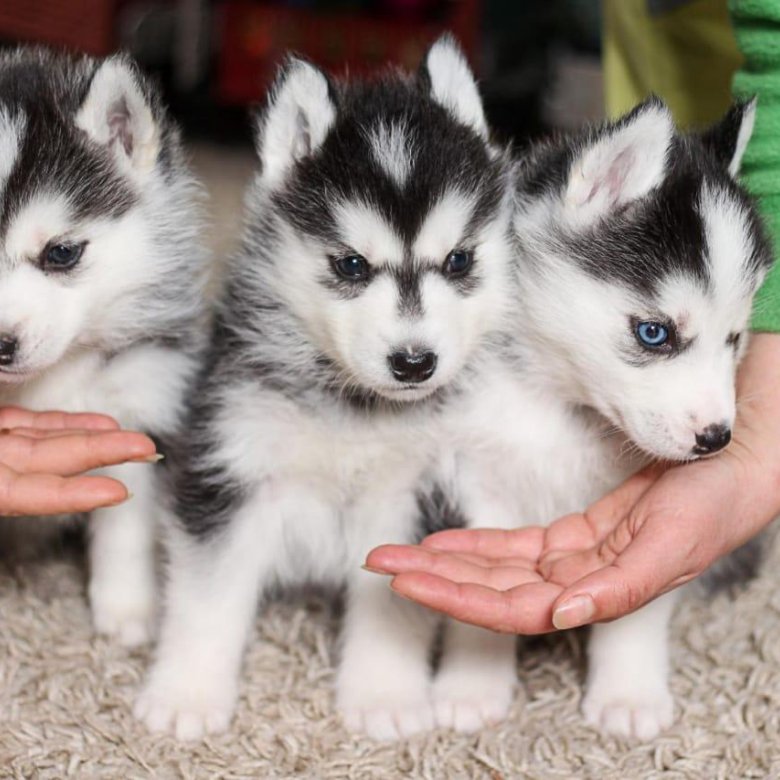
<point x="374" y="274"/>
<point x="638" y="258"/>
<point x="101" y="272"/>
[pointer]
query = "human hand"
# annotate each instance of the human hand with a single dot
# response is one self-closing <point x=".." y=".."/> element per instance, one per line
<point x="43" y="455"/>
<point x="658" y="530"/>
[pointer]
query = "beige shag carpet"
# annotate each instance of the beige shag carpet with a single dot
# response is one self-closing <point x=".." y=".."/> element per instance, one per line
<point x="65" y="696"/>
<point x="65" y="699"/>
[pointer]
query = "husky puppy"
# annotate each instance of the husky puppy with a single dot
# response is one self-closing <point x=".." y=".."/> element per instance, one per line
<point x="100" y="281"/>
<point x="639" y="256"/>
<point x="375" y="267"/>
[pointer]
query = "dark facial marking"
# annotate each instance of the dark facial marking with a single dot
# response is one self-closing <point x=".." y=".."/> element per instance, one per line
<point x="408" y="278"/>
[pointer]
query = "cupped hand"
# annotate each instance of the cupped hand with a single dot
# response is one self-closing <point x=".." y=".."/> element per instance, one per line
<point x="658" y="530"/>
<point x="43" y="456"/>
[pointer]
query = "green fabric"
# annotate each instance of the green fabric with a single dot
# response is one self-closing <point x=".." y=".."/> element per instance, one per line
<point x="757" y="30"/>
<point x="693" y="60"/>
<point x="686" y="55"/>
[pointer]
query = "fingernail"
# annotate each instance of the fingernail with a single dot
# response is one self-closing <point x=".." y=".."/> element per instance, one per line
<point x="122" y="500"/>
<point x="368" y="568"/>
<point x="156" y="458"/>
<point x="577" y="611"/>
<point x="398" y="592"/>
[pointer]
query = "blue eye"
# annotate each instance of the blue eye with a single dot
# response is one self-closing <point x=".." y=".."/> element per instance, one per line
<point x="458" y="262"/>
<point x="61" y="257"/>
<point x="652" y="334"/>
<point x="352" y="267"/>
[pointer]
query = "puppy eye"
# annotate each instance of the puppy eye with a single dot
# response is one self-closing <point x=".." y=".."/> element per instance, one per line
<point x="652" y="334"/>
<point x="354" y="268"/>
<point x="61" y="256"/>
<point x="458" y="263"/>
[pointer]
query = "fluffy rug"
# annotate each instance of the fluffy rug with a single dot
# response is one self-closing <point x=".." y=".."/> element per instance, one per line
<point x="66" y="698"/>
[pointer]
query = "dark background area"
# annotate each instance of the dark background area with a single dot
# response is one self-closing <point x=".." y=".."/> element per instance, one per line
<point x="537" y="60"/>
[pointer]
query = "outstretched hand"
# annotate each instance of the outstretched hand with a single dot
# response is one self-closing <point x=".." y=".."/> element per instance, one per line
<point x="657" y="531"/>
<point x="43" y="456"/>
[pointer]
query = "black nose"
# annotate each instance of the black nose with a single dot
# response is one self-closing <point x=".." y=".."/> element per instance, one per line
<point x="8" y="345"/>
<point x="712" y="439"/>
<point x="412" y="366"/>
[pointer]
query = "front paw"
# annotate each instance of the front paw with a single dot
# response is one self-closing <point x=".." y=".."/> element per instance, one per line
<point x="616" y="709"/>
<point x="123" y="611"/>
<point x="189" y="706"/>
<point x="386" y="717"/>
<point x="469" y="703"/>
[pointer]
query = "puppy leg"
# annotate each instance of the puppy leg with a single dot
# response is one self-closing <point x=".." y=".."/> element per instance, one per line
<point x="627" y="690"/>
<point x="383" y="680"/>
<point x="211" y="603"/>
<point x="121" y="556"/>
<point x="477" y="678"/>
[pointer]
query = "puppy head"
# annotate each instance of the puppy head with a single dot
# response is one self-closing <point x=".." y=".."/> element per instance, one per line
<point x="655" y="253"/>
<point x="78" y="142"/>
<point x="392" y="209"/>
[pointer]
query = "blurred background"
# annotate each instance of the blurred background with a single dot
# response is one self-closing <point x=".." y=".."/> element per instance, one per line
<point x="538" y="61"/>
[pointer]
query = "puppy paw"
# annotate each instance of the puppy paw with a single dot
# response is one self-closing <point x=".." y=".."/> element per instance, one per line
<point x="187" y="708"/>
<point x="643" y="715"/>
<point x="387" y="718"/>
<point x="124" y="614"/>
<point x="468" y="704"/>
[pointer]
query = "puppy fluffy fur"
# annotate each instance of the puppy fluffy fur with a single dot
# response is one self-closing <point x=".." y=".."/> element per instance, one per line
<point x="101" y="287"/>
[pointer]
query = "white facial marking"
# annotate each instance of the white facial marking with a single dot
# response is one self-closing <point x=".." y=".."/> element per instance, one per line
<point x="43" y="218"/>
<point x="11" y="132"/>
<point x="728" y="244"/>
<point x="367" y="232"/>
<point x="392" y="147"/>
<point x="444" y="226"/>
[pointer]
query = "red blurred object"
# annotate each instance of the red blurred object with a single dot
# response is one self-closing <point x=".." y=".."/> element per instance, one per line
<point x="87" y="25"/>
<point x="255" y="38"/>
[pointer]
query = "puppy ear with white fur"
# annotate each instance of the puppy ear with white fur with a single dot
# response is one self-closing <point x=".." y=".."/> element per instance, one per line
<point x="625" y="164"/>
<point x="729" y="137"/>
<point x="116" y="113"/>
<point x="452" y="84"/>
<point x="296" y="121"/>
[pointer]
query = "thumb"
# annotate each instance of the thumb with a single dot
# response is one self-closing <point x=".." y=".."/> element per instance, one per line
<point x="631" y="580"/>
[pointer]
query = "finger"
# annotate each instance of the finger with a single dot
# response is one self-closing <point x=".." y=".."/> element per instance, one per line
<point x="500" y="575"/>
<point x="598" y="590"/>
<point x="49" y="494"/>
<point x="489" y="542"/>
<point x="582" y="530"/>
<point x="74" y="453"/>
<point x="14" y="416"/>
<point x="394" y="558"/>
<point x="43" y="433"/>
<point x="523" y="610"/>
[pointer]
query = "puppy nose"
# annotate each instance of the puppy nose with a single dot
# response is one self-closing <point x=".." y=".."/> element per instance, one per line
<point x="415" y="366"/>
<point x="712" y="439"/>
<point x="8" y="345"/>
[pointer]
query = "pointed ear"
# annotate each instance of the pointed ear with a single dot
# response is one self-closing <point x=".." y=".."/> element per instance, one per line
<point x="621" y="164"/>
<point x="116" y="113"/>
<point x="299" y="114"/>
<point x="728" y="139"/>
<point x="452" y="84"/>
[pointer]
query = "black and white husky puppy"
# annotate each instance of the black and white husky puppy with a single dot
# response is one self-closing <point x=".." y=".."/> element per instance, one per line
<point x="375" y="267"/>
<point x="100" y="281"/>
<point x="639" y="256"/>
